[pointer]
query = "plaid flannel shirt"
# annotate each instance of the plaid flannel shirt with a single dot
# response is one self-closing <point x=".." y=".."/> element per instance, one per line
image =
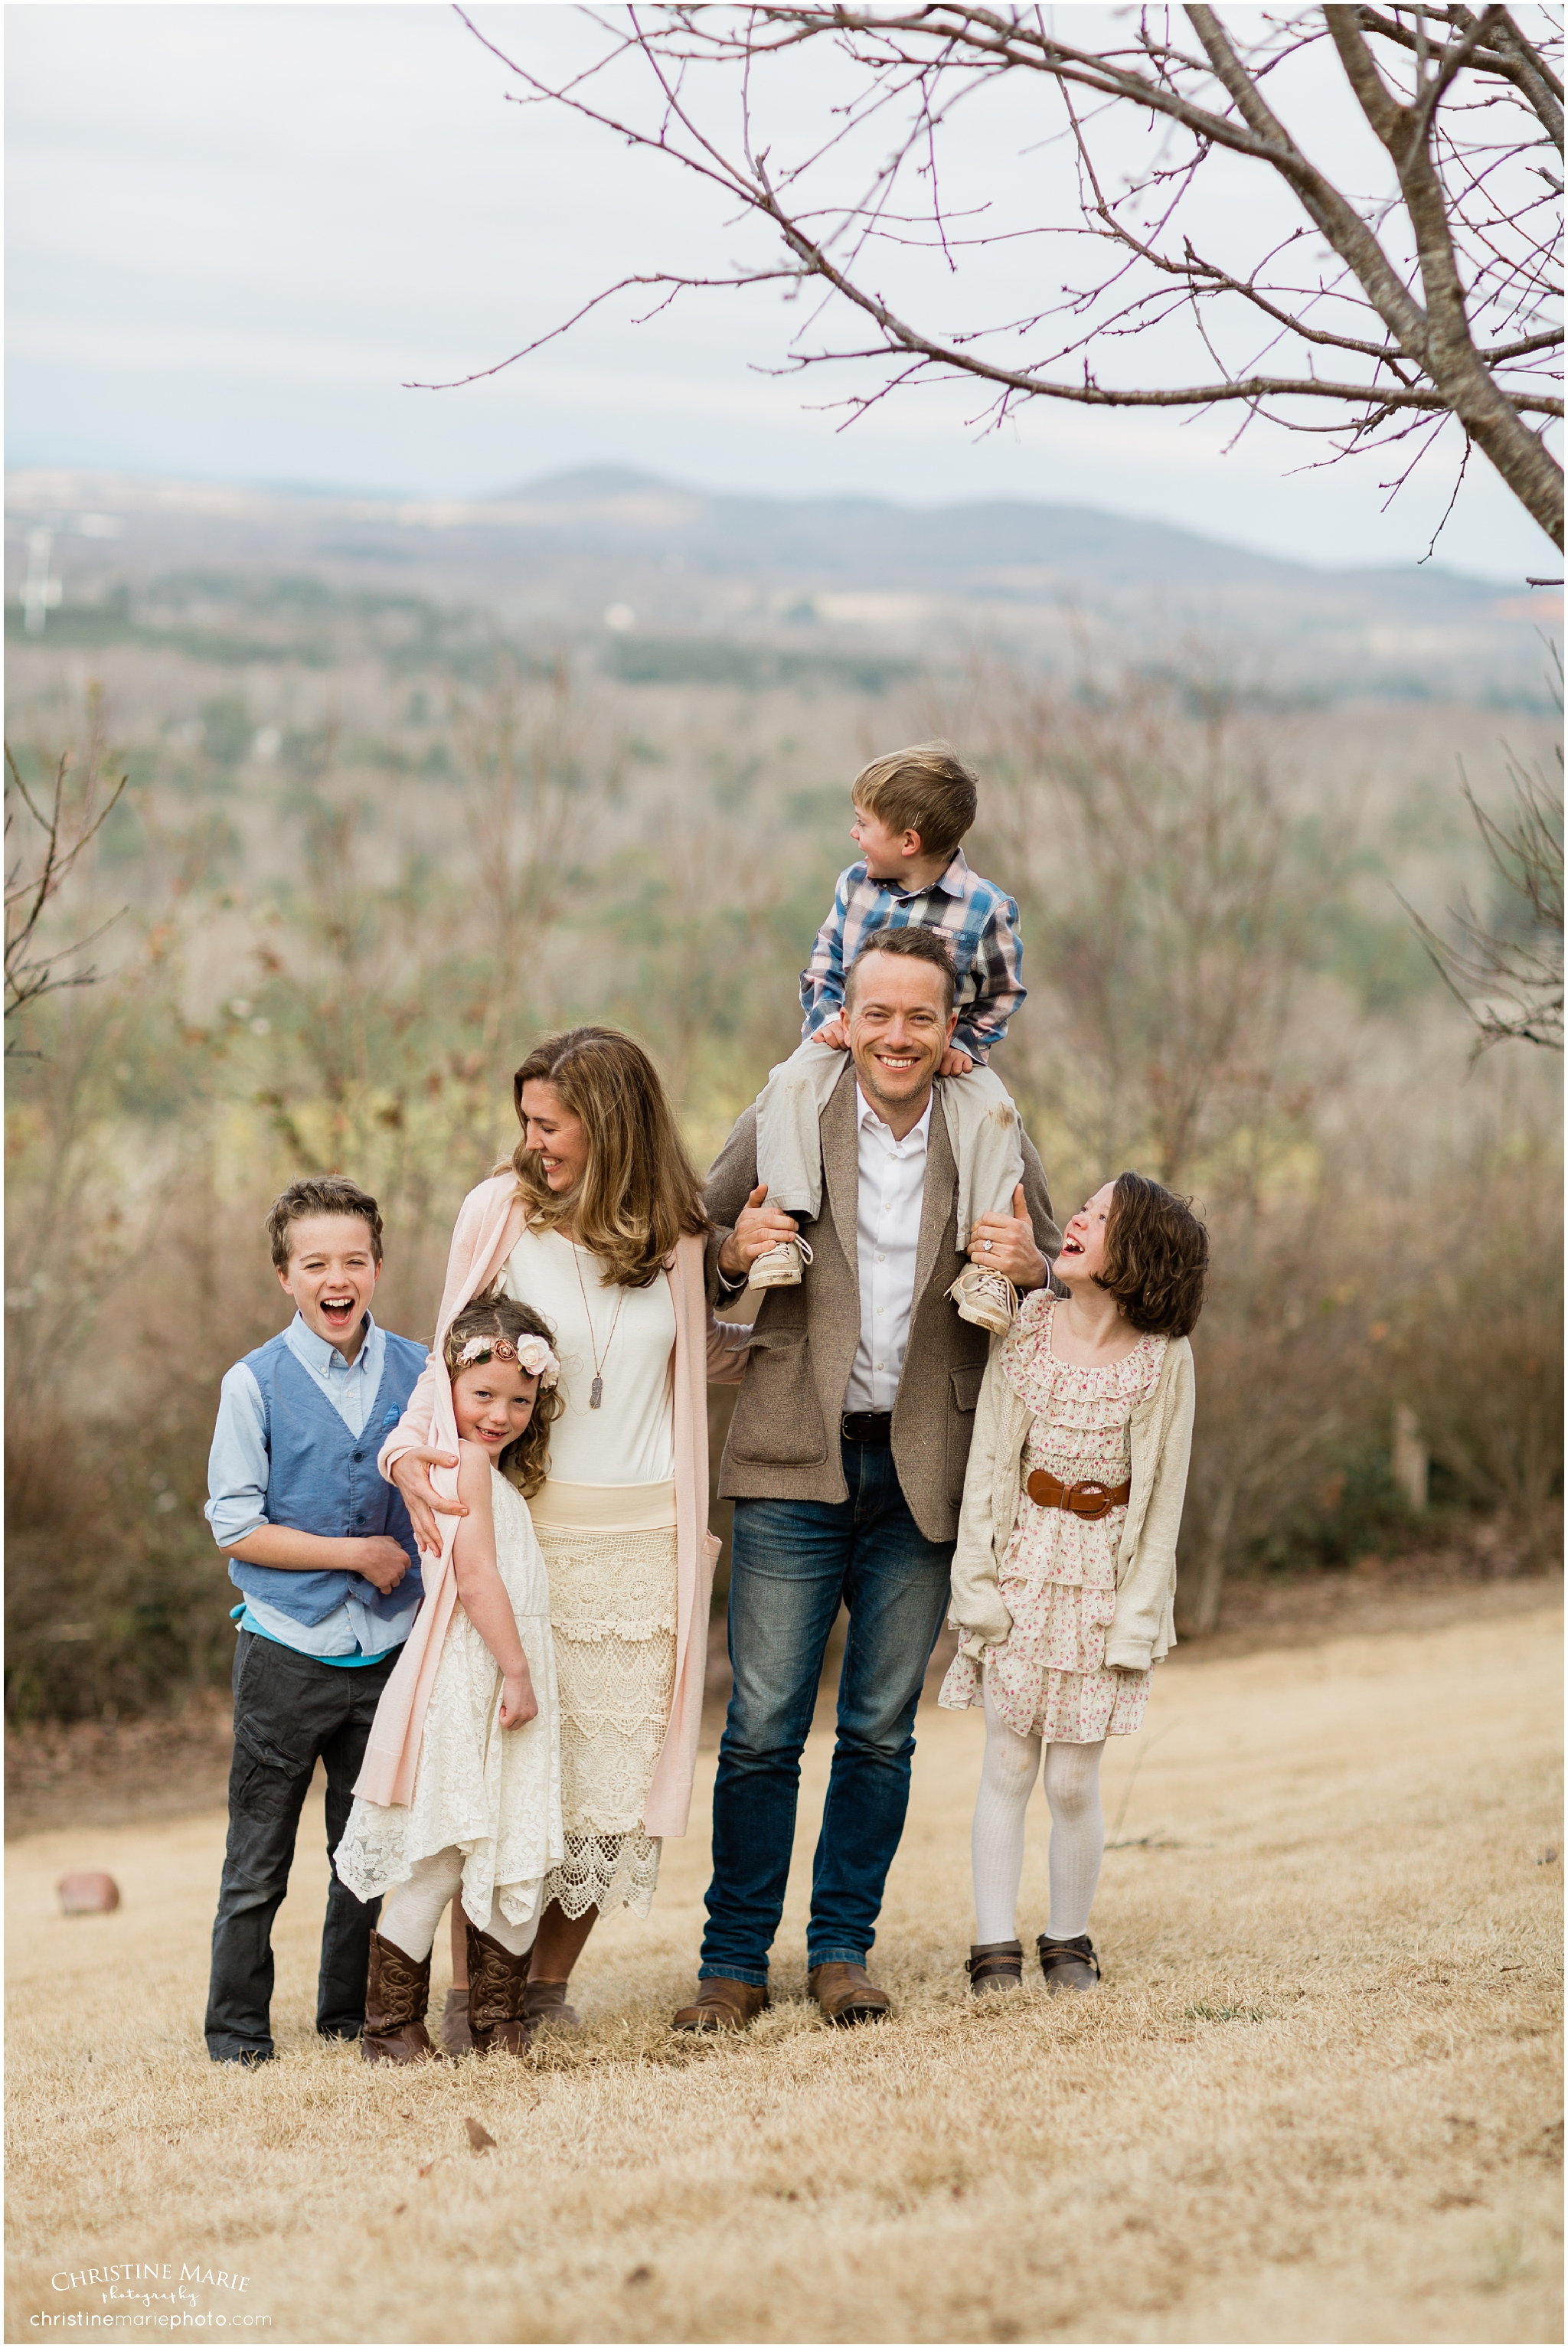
<point x="982" y="926"/>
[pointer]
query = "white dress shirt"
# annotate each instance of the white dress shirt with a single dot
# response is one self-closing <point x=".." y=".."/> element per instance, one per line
<point x="892" y="1192"/>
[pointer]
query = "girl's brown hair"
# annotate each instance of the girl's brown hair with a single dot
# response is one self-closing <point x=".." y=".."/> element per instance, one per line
<point x="526" y="1462"/>
<point x="1156" y="1257"/>
<point x="640" y="1191"/>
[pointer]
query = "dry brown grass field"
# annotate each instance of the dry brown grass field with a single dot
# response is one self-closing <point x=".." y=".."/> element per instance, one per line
<point x="1318" y="2099"/>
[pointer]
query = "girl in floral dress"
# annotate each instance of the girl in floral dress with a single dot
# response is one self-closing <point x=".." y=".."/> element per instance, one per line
<point x="1065" y="1571"/>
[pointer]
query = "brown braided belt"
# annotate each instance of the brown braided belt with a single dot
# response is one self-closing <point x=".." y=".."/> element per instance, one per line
<point x="1085" y="1499"/>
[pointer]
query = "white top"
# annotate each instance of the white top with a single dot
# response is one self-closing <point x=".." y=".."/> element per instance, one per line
<point x="631" y="1438"/>
<point x="892" y="1189"/>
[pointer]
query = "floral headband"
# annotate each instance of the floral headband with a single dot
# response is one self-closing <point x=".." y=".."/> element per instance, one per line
<point x="533" y="1356"/>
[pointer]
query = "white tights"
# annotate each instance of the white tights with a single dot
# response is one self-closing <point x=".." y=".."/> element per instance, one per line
<point x="1078" y="1829"/>
<point x="412" y="1910"/>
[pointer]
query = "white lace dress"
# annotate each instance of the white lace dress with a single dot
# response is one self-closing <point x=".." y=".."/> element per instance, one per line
<point x="613" y="1589"/>
<point x="493" y="1792"/>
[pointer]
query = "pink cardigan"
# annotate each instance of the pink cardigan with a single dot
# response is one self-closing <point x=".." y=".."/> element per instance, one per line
<point x="490" y="1224"/>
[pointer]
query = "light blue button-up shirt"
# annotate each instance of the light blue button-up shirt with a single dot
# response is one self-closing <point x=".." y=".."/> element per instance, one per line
<point x="238" y="1471"/>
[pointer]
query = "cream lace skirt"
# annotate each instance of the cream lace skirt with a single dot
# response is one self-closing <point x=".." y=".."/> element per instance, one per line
<point x="612" y="1613"/>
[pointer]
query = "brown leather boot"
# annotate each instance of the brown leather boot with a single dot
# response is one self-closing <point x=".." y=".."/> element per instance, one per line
<point x="546" y="2001"/>
<point x="456" y="2036"/>
<point x="722" y="2004"/>
<point x="847" y="1993"/>
<point x="497" y="1981"/>
<point x="396" y="1998"/>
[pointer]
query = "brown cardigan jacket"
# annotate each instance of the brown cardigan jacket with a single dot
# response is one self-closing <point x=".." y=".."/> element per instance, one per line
<point x="783" y="1440"/>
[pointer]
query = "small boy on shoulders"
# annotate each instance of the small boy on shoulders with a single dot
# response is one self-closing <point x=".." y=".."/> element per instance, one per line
<point x="912" y="810"/>
<point x="322" y="1552"/>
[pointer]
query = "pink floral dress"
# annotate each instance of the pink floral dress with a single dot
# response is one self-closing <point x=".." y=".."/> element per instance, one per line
<point x="1058" y="1578"/>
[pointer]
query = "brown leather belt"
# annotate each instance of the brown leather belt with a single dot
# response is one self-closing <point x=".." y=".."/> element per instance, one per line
<point x="1085" y="1499"/>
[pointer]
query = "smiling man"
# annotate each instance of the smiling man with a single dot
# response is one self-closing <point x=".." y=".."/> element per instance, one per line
<point x="845" y="1462"/>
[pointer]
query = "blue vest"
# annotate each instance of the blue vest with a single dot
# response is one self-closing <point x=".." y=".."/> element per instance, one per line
<point x="323" y="1479"/>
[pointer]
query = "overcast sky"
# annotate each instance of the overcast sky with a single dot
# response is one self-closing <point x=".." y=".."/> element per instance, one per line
<point x="234" y="231"/>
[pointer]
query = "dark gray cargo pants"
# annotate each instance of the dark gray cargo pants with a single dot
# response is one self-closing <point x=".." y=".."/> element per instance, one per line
<point x="290" y="1710"/>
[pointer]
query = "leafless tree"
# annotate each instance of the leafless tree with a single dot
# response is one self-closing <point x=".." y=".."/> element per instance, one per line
<point x="1506" y="968"/>
<point x="1153" y="845"/>
<point x="1171" y="901"/>
<point x="1373" y="302"/>
<point x="529" y="774"/>
<point x="57" y="824"/>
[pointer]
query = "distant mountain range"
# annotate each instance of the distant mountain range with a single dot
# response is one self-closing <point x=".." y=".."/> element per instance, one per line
<point x="870" y="542"/>
<point x="615" y="555"/>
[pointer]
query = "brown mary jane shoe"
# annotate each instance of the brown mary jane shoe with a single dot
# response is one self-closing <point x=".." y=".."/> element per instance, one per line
<point x="994" y="1965"/>
<point x="1068" y="1964"/>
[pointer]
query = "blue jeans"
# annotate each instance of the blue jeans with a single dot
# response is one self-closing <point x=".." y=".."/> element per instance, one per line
<point x="793" y="1562"/>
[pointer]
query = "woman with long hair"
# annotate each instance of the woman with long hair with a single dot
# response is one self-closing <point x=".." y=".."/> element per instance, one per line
<point x="598" y="1224"/>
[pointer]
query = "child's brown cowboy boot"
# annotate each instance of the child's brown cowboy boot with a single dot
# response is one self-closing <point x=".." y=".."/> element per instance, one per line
<point x="496" y="1984"/>
<point x="396" y="1998"/>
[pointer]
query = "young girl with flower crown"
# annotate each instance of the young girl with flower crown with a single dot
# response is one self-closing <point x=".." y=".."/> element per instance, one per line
<point x="1065" y="1571"/>
<point x="484" y="1816"/>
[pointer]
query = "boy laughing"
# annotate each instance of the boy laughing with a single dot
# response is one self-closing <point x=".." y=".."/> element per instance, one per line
<point x="322" y="1552"/>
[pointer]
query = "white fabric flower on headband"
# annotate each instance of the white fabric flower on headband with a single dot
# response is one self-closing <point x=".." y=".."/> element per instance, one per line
<point x="531" y="1354"/>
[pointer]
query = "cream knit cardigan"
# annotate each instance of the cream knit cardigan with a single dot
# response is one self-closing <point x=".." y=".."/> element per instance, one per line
<point x="1143" y="1628"/>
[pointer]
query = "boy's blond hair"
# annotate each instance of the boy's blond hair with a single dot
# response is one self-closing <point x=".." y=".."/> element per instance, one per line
<point x="926" y="788"/>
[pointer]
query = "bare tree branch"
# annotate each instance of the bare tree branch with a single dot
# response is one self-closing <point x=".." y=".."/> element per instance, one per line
<point x="34" y="878"/>
<point x="1506" y="969"/>
<point x="1440" y="280"/>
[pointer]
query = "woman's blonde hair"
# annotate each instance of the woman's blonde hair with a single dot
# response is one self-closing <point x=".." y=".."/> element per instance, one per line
<point x="640" y="1191"/>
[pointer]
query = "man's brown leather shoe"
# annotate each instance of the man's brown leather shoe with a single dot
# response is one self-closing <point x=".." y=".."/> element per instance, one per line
<point x="722" y="2004"/>
<point x="847" y="1993"/>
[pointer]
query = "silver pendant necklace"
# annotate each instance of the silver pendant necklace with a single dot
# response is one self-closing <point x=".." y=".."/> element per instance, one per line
<point x="597" y="1391"/>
